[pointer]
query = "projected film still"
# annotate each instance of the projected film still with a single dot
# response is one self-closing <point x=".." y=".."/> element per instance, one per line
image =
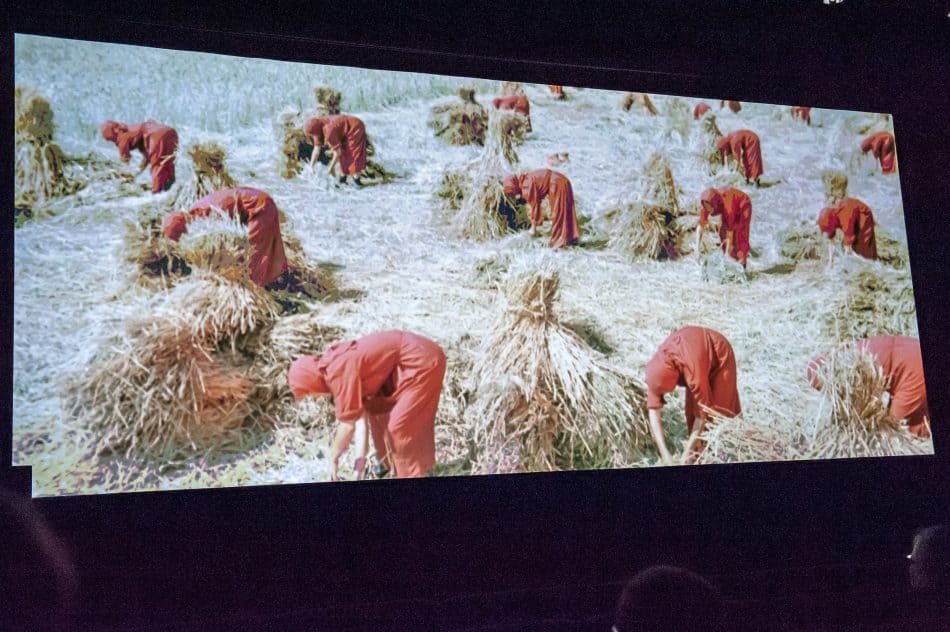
<point x="236" y="272"/>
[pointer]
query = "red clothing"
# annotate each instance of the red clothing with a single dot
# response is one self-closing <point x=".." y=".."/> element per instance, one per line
<point x="700" y="109"/>
<point x="394" y="378"/>
<point x="534" y="186"/>
<point x="735" y="209"/>
<point x="735" y="106"/>
<point x="557" y="91"/>
<point x="702" y="360"/>
<point x="745" y="146"/>
<point x="900" y="359"/>
<point x="856" y="221"/>
<point x="881" y="146"/>
<point x="802" y="113"/>
<point x="157" y="143"/>
<point x="258" y="212"/>
<point x="345" y="135"/>
<point x="516" y="102"/>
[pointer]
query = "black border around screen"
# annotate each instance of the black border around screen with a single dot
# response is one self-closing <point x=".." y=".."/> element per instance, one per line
<point x="747" y="496"/>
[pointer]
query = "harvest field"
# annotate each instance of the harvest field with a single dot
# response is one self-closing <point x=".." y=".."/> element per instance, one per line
<point x="405" y="268"/>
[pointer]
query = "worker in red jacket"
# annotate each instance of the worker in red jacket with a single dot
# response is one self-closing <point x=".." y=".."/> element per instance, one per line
<point x="157" y="143"/>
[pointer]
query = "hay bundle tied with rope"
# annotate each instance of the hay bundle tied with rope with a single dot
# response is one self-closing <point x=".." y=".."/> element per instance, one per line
<point x="159" y="390"/>
<point x="643" y="231"/>
<point x="659" y="184"/>
<point x="209" y="175"/>
<point x="512" y="89"/>
<point x="853" y="419"/>
<point x="875" y="301"/>
<point x="703" y="142"/>
<point x="678" y="117"/>
<point x="641" y="100"/>
<point x="542" y="398"/>
<point x="38" y="161"/>
<point x="328" y="100"/>
<point x="462" y="122"/>
<point x="835" y="183"/>
<point x="486" y="212"/>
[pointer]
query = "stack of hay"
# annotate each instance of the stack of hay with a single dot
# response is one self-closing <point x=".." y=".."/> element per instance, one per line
<point x="853" y="419"/>
<point x="209" y="175"/>
<point x="328" y="100"/>
<point x="485" y="212"/>
<point x="640" y="99"/>
<point x="703" y="142"/>
<point x="296" y="147"/>
<point x="678" y="117"/>
<point x="196" y="373"/>
<point x="645" y="225"/>
<point x="542" y="399"/>
<point x="835" y="183"/>
<point x="512" y="88"/>
<point x="159" y="260"/>
<point x="874" y="300"/>
<point x="460" y="122"/>
<point x="39" y="162"/>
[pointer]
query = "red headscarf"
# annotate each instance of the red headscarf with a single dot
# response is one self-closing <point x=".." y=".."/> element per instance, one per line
<point x="111" y="129"/>
<point x="306" y="377"/>
<point x="512" y="186"/>
<point x="174" y="225"/>
<point x="713" y="198"/>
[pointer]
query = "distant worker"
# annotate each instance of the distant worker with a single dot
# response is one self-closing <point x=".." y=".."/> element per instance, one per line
<point x="157" y="143"/>
<point x="801" y="113"/>
<point x="344" y="136"/>
<point x="533" y="187"/>
<point x="900" y="360"/>
<point x="735" y="106"/>
<point x="700" y="109"/>
<point x="744" y="147"/>
<point x="517" y="102"/>
<point x="641" y="99"/>
<point x="881" y="146"/>
<point x="702" y="360"/>
<point x="557" y="91"/>
<point x="385" y="384"/>
<point x="856" y="222"/>
<point x="253" y="208"/>
<point x="734" y="208"/>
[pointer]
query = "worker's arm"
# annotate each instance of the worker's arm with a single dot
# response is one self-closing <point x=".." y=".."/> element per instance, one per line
<point x="334" y="163"/>
<point x="699" y="241"/>
<point x="341" y="441"/>
<point x="690" y="453"/>
<point x="362" y="446"/>
<point x="656" y="430"/>
<point x="729" y="237"/>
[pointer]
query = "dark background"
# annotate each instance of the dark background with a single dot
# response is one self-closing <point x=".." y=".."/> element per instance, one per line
<point x="187" y="555"/>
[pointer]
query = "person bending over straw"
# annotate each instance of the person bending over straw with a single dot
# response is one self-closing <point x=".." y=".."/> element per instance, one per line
<point x="702" y="360"/>
<point x="345" y="138"/>
<point x="900" y="360"/>
<point x="641" y="99"/>
<point x="881" y="146"/>
<point x="735" y="106"/>
<point x="744" y="147"/>
<point x="387" y="384"/>
<point x="533" y="187"/>
<point x="700" y="109"/>
<point x="856" y="222"/>
<point x="517" y="102"/>
<point x="253" y="208"/>
<point x="157" y="143"/>
<point x="556" y="91"/>
<point x="735" y="210"/>
<point x="801" y="113"/>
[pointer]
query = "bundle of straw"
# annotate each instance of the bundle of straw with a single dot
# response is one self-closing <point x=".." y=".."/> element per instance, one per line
<point x="802" y="240"/>
<point x="209" y="174"/>
<point x="461" y="122"/>
<point x="38" y="161"/>
<point x="747" y="440"/>
<point x="158" y="260"/>
<point x="296" y="150"/>
<point x="479" y="216"/>
<point x="512" y="88"/>
<point x="875" y="300"/>
<point x="854" y="420"/>
<point x="643" y="231"/>
<point x="891" y="251"/>
<point x="452" y="190"/>
<point x="641" y="99"/>
<point x="678" y="117"/>
<point x="659" y="184"/>
<point x="721" y="269"/>
<point x="835" y="183"/>
<point x="542" y="398"/>
<point x="328" y="100"/>
<point x="160" y="391"/>
<point x="703" y="142"/>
